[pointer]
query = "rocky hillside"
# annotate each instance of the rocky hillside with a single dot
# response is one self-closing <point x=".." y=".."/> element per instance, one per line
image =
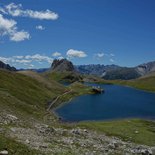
<point x="123" y="73"/>
<point x="97" y="69"/>
<point x="63" y="70"/>
<point x="44" y="139"/>
<point x="112" y="72"/>
<point x="62" y="65"/>
<point x="6" y="66"/>
<point x="146" y="68"/>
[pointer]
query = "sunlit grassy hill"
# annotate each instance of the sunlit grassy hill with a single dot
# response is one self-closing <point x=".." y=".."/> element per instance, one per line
<point x="66" y="76"/>
<point x="145" y="83"/>
<point x="27" y="93"/>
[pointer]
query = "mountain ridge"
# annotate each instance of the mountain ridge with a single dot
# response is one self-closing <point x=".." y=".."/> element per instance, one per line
<point x="6" y="66"/>
<point x="62" y="65"/>
<point x="108" y="72"/>
<point x="111" y="72"/>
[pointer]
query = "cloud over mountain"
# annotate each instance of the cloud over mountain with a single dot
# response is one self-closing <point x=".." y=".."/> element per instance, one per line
<point x="71" y="53"/>
<point x="27" y="60"/>
<point x="56" y="54"/>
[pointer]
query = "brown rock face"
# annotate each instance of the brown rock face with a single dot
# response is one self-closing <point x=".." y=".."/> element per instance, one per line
<point x="62" y="65"/>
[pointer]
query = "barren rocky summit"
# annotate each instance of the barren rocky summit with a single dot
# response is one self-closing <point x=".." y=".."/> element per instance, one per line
<point x="62" y="65"/>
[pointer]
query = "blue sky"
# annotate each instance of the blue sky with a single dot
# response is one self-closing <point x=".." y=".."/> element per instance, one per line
<point x="34" y="32"/>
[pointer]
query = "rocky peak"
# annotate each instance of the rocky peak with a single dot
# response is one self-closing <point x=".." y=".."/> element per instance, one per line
<point x="6" y="66"/>
<point x="62" y="65"/>
<point x="145" y="68"/>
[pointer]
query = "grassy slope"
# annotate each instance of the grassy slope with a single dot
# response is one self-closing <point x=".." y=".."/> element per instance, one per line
<point x="49" y="83"/>
<point x="126" y="129"/>
<point x="25" y="94"/>
<point x="146" y="83"/>
<point x="26" y="97"/>
<point x="63" y="76"/>
<point x="151" y="74"/>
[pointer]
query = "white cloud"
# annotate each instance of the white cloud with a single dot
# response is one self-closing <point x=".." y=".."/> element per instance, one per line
<point x="23" y="61"/>
<point x="39" y="58"/>
<point x="75" y="53"/>
<point x="112" y="55"/>
<point x="5" y="60"/>
<point x="60" y="57"/>
<point x="18" y="56"/>
<point x="111" y="60"/>
<point x="19" y="36"/>
<point x="100" y="55"/>
<point x="6" y="24"/>
<point x="17" y="10"/>
<point x="30" y="66"/>
<point x="8" y="27"/>
<point x="56" y="54"/>
<point x="27" y="60"/>
<point x="40" y="27"/>
<point x="48" y="15"/>
<point x="15" y="59"/>
<point x="2" y="10"/>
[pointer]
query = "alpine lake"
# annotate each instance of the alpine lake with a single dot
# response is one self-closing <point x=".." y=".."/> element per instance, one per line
<point x="117" y="102"/>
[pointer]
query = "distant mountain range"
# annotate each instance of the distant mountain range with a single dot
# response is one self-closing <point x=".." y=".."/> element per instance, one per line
<point x="112" y="72"/>
<point x="40" y="70"/>
<point x="95" y="69"/>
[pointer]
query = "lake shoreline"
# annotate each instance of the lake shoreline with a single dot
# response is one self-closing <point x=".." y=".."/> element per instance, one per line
<point x="140" y="93"/>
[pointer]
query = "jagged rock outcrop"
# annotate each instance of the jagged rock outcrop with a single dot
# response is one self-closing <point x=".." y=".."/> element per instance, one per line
<point x="62" y="65"/>
<point x="6" y="66"/>
<point x="64" y="70"/>
<point x="146" y="68"/>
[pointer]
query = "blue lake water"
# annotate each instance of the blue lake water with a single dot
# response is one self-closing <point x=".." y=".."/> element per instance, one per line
<point x="116" y="103"/>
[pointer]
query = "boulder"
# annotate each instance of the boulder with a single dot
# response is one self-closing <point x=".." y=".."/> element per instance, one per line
<point x="4" y="152"/>
<point x="146" y="152"/>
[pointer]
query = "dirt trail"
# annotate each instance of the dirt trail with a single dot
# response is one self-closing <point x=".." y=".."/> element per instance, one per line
<point x="52" y="103"/>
